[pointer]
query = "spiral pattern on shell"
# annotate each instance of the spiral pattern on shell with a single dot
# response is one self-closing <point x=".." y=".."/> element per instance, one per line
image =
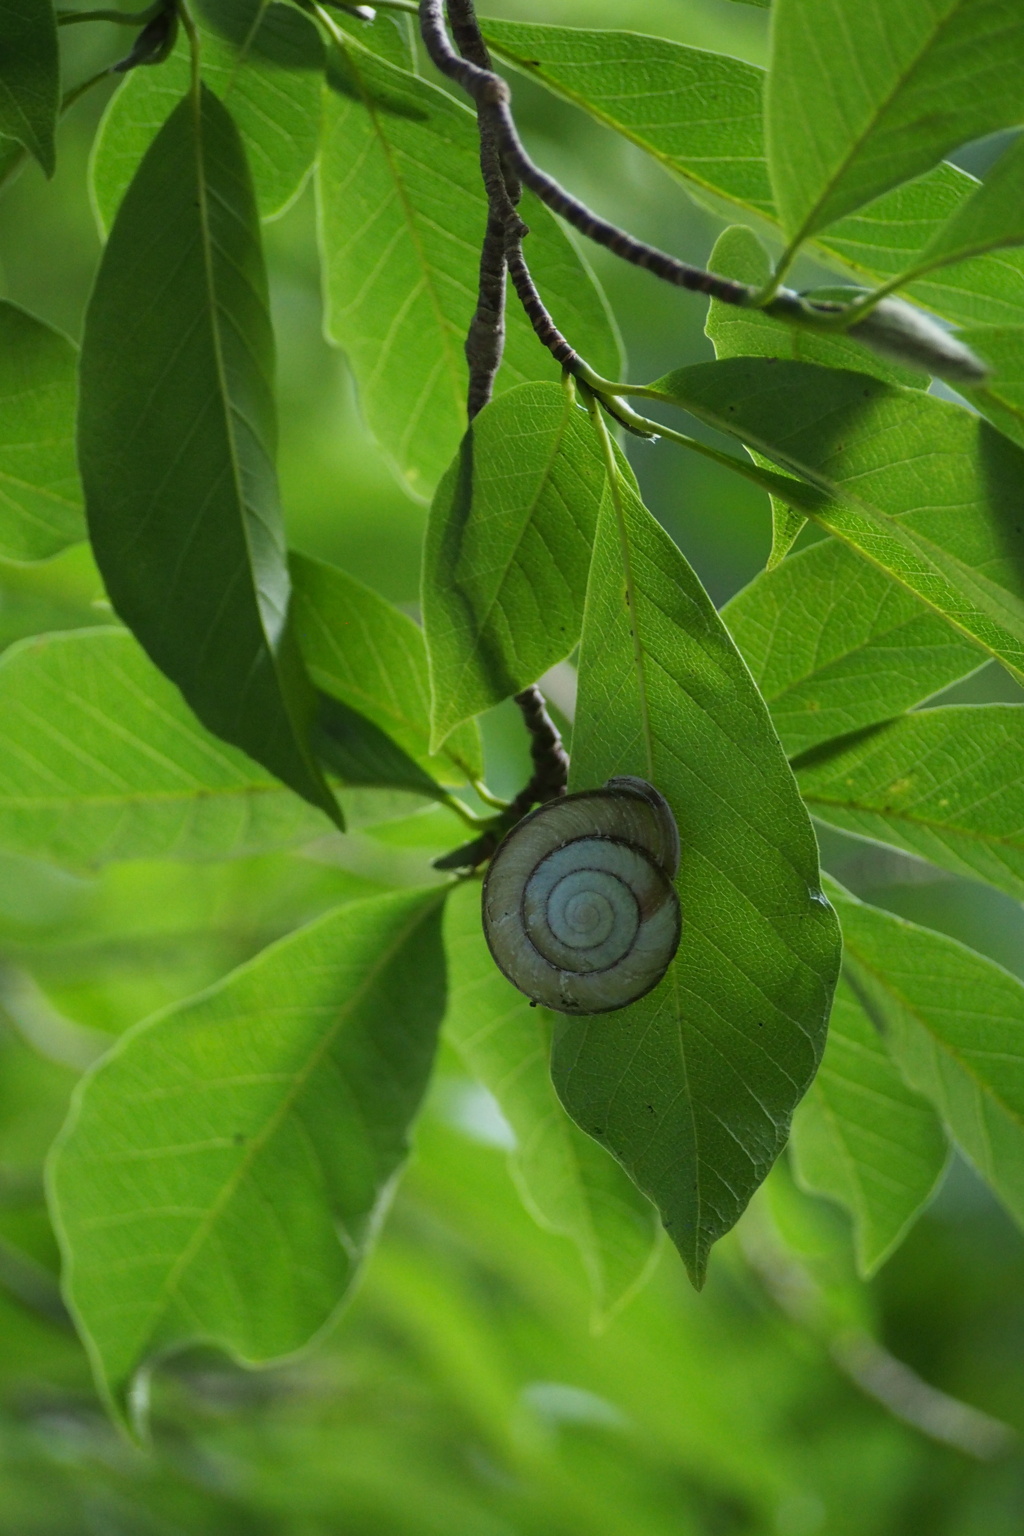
<point x="579" y="907"/>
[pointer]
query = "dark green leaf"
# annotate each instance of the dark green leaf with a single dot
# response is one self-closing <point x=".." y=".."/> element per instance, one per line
<point x="835" y="645"/>
<point x="922" y="488"/>
<point x="953" y="1021"/>
<point x="567" y="1182"/>
<point x="30" y="77"/>
<point x="865" y="94"/>
<point x="866" y="1139"/>
<point x="508" y="546"/>
<point x="693" y="1087"/>
<point x="177" y="434"/>
<point x="225" y="1168"/>
<point x="361" y="754"/>
<point x="945" y="784"/>
<point x="367" y="653"/>
<point x="265" y="61"/>
<point x="40" y="498"/>
<point x="402" y="214"/>
<point x="101" y="760"/>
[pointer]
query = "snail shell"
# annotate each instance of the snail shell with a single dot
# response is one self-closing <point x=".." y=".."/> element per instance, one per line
<point x="579" y="907"/>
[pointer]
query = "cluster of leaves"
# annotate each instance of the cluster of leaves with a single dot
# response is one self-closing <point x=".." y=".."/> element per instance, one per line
<point x="225" y="1167"/>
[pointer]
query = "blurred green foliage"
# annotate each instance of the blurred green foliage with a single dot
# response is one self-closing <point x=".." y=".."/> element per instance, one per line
<point x="462" y="1393"/>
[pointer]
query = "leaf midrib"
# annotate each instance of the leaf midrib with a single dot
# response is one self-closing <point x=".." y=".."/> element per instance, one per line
<point x="258" y="1142"/>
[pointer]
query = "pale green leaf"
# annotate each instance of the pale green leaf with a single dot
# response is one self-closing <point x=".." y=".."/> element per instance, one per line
<point x="864" y="1138"/>
<point x="692" y="1087"/>
<point x="402" y="215"/>
<point x="703" y="123"/>
<point x="946" y="784"/>
<point x="30" y="77"/>
<point x="362" y="650"/>
<point x="698" y="113"/>
<point x="40" y="498"/>
<point x="1001" y="398"/>
<point x="865" y="94"/>
<point x="265" y="61"/>
<point x="923" y="488"/>
<point x="990" y="219"/>
<point x="508" y="548"/>
<point x="225" y="1168"/>
<point x="953" y="1021"/>
<point x="569" y="1184"/>
<point x="835" y="645"/>
<point x="100" y="759"/>
<point x="177" y="436"/>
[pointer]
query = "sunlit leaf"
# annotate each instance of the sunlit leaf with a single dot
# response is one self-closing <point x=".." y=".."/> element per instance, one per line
<point x="714" y="103"/>
<point x="508" y="547"/>
<point x="953" y="1022"/>
<point x="835" y="645"/>
<point x="866" y="1139"/>
<point x="40" y="498"/>
<point x="177" y="434"/>
<point x="30" y="77"/>
<point x="568" y="1183"/>
<point x="265" y="61"/>
<point x="864" y="94"/>
<point x="402" y="214"/>
<point x="1001" y="398"/>
<point x="992" y="218"/>
<point x="362" y="650"/>
<point x="924" y="489"/>
<point x="693" y="1087"/>
<point x="946" y="784"/>
<point x="698" y="113"/>
<point x="100" y="760"/>
<point x="225" y="1168"/>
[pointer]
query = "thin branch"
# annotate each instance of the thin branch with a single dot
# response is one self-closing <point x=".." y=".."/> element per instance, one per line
<point x="492" y="96"/>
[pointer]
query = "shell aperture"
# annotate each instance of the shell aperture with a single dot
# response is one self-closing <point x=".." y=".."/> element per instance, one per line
<point x="579" y="908"/>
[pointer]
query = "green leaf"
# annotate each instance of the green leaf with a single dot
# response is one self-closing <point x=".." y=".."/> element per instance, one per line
<point x="362" y="650"/>
<point x="953" y="1021"/>
<point x="30" y="77"/>
<point x="835" y="645"/>
<point x="568" y="1183"/>
<point x="361" y="754"/>
<point x="265" y="61"/>
<point x="946" y="784"/>
<point x="698" y="113"/>
<point x="402" y="214"/>
<point x="101" y="760"/>
<point x="40" y="498"/>
<point x="922" y="488"/>
<point x="715" y="102"/>
<point x="226" y="1167"/>
<point x="864" y="1138"/>
<point x="736" y="332"/>
<point x="865" y="94"/>
<point x="692" y="1087"/>
<point x="508" y="547"/>
<point x="990" y="219"/>
<point x="177" y="434"/>
<point x="1001" y="398"/>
